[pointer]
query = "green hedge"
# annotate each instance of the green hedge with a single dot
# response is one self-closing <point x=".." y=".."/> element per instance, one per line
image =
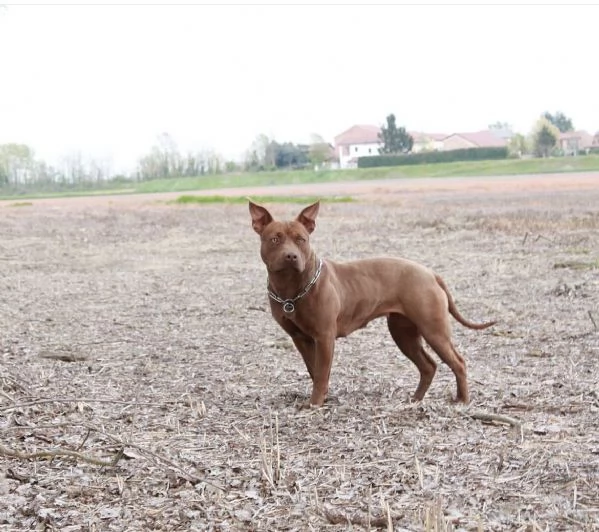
<point x="465" y="154"/>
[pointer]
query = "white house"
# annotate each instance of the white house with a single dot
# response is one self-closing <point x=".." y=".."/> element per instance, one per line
<point x="357" y="141"/>
<point x="363" y="141"/>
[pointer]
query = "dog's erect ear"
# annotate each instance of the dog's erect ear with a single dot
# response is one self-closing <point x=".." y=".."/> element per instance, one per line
<point x="308" y="216"/>
<point x="260" y="217"/>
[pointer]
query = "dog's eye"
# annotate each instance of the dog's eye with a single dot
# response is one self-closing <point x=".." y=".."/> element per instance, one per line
<point x="275" y="239"/>
<point x="300" y="240"/>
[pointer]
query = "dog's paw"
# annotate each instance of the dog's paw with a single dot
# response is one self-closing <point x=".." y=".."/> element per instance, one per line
<point x="307" y="405"/>
<point x="460" y="400"/>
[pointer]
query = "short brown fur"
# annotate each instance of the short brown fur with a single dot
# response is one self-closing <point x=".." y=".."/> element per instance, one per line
<point x="347" y="296"/>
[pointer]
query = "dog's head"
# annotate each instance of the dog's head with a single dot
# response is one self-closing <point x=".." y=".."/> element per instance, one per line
<point x="285" y="245"/>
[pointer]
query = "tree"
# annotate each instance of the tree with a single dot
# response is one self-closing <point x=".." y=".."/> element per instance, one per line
<point x="165" y="160"/>
<point x="394" y="139"/>
<point x="319" y="151"/>
<point x="214" y="162"/>
<point x="252" y="161"/>
<point x="262" y="152"/>
<point x="73" y="168"/>
<point x="500" y="126"/>
<point x="544" y="137"/>
<point x="518" y="145"/>
<point x="99" y="169"/>
<point x="560" y="121"/>
<point x="168" y="155"/>
<point x="231" y="166"/>
<point x="289" y="155"/>
<point x="16" y="163"/>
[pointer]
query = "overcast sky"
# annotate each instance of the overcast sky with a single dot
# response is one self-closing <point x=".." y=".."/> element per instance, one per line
<point x="106" y="80"/>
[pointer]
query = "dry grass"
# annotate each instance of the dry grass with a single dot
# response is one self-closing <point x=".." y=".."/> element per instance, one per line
<point x="145" y="387"/>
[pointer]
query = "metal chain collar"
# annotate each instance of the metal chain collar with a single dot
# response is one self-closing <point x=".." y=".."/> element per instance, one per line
<point x="289" y="304"/>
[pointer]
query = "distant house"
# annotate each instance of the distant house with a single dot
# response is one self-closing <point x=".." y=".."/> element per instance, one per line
<point x="573" y="142"/>
<point x="357" y="141"/>
<point x="596" y="140"/>
<point x="427" y="141"/>
<point x="478" y="139"/>
<point x="363" y="141"/>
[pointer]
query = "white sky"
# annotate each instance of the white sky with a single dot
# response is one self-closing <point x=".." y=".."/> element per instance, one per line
<point x="106" y="80"/>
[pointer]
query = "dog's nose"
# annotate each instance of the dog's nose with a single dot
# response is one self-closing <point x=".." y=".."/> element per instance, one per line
<point x="291" y="257"/>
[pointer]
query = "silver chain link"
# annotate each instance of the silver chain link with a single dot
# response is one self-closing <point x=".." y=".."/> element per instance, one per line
<point x="288" y="304"/>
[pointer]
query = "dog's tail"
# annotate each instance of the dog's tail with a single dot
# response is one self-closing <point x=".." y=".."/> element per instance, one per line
<point x="453" y="310"/>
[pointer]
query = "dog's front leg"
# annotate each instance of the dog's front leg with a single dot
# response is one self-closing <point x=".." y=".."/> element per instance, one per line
<point x="323" y="360"/>
<point x="303" y="343"/>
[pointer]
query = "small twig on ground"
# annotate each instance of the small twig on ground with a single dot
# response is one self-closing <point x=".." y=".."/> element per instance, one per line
<point x="14" y="475"/>
<point x="544" y="237"/>
<point x="261" y="309"/>
<point x="592" y="319"/>
<point x="13" y="382"/>
<point x="84" y="440"/>
<point x="335" y="517"/>
<point x="4" y="394"/>
<point x="65" y="357"/>
<point x="518" y="406"/>
<point x="525" y="237"/>
<point x="103" y="342"/>
<point x="54" y="453"/>
<point x="119" y="441"/>
<point x="484" y="416"/>
<point x="389" y="517"/>
<point x="187" y="476"/>
<point x="84" y="400"/>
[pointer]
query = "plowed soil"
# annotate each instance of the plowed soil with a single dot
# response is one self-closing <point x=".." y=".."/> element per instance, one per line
<point x="144" y="385"/>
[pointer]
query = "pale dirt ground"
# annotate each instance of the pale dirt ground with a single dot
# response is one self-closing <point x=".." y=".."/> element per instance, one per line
<point x="127" y="323"/>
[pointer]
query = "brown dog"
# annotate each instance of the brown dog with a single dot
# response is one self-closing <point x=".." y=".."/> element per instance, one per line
<point x="317" y="301"/>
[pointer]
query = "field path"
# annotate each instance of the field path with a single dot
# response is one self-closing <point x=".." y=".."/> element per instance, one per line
<point x="384" y="190"/>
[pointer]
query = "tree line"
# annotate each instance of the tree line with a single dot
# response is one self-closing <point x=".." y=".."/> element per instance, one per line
<point x="21" y="169"/>
<point x="268" y="154"/>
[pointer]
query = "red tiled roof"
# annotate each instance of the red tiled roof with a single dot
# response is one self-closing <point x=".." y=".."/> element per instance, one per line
<point x="367" y="134"/>
<point x="481" y="139"/>
<point x="420" y="137"/>
<point x="586" y="140"/>
<point x="359" y="134"/>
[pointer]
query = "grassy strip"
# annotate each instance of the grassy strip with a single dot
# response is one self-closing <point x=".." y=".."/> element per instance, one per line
<point x="21" y="204"/>
<point x="188" y="199"/>
<point x="455" y="169"/>
<point x="438" y="170"/>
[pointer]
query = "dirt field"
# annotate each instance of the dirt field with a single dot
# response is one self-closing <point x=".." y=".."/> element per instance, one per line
<point x="144" y="387"/>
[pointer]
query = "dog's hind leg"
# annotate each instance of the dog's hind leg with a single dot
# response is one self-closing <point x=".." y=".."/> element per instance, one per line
<point x="408" y="339"/>
<point x="438" y="336"/>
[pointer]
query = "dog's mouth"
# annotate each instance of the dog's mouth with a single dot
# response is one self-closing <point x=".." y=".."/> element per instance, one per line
<point x="286" y="267"/>
<point x="283" y="266"/>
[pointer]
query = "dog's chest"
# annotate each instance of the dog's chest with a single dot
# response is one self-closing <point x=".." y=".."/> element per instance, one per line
<point x="296" y="319"/>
